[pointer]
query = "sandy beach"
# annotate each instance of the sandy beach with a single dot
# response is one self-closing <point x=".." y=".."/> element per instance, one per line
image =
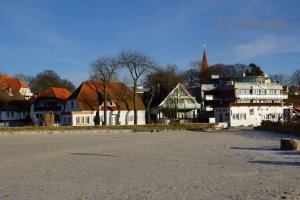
<point x="233" y="164"/>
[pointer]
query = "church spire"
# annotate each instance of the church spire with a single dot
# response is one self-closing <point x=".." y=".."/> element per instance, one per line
<point x="204" y="69"/>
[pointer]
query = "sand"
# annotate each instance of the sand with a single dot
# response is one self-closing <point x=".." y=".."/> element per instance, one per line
<point x="234" y="164"/>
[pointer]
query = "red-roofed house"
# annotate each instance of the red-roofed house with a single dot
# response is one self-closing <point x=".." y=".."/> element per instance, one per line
<point x="51" y="100"/>
<point x="82" y="105"/>
<point x="17" y="85"/>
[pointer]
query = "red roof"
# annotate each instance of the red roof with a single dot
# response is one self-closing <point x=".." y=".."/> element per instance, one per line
<point x="89" y="96"/>
<point x="14" y="83"/>
<point x="59" y="93"/>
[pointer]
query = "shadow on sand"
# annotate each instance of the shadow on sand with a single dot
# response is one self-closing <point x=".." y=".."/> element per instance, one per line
<point x="276" y="163"/>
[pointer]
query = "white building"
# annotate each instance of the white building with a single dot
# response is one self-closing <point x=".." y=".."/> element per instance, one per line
<point x="252" y="114"/>
<point x="82" y="105"/>
<point x="247" y="101"/>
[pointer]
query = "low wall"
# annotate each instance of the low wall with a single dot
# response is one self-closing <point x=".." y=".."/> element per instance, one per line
<point x="286" y="127"/>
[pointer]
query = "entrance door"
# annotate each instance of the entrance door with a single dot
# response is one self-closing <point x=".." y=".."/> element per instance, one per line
<point x="113" y="119"/>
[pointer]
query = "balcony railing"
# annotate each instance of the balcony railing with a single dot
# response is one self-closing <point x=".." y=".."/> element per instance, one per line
<point x="253" y="96"/>
<point x="50" y="108"/>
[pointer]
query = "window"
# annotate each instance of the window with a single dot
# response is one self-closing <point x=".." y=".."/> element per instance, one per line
<point x="87" y="120"/>
<point x="251" y="111"/>
<point x="7" y="114"/>
<point x="233" y="116"/>
<point x="72" y="104"/>
<point x="226" y="116"/>
<point x="12" y="114"/>
<point x="77" y="120"/>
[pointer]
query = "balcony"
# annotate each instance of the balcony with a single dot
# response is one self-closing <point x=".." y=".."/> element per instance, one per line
<point x="50" y="108"/>
<point x="253" y="96"/>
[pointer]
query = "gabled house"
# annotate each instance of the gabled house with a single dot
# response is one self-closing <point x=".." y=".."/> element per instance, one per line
<point x="17" y="85"/>
<point x="51" y="100"/>
<point x="82" y="105"/>
<point x="179" y="104"/>
<point x="14" y="108"/>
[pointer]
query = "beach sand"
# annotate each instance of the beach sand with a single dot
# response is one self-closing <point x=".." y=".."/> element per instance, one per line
<point x="232" y="164"/>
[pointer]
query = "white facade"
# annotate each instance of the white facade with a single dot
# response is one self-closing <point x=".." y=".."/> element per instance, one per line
<point x="86" y="118"/>
<point x="249" y="115"/>
<point x="73" y="116"/>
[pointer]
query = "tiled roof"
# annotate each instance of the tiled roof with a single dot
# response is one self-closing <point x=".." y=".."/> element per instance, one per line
<point x="89" y="96"/>
<point x="58" y="93"/>
<point x="14" y="83"/>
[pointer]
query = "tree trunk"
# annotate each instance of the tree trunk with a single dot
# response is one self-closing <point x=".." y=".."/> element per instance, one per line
<point x="105" y="106"/>
<point x="134" y="101"/>
<point x="149" y="103"/>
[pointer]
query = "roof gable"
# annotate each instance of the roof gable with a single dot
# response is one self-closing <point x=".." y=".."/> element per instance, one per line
<point x="179" y="92"/>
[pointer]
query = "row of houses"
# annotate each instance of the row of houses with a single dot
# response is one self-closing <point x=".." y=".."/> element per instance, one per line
<point x="238" y="101"/>
<point x="73" y="109"/>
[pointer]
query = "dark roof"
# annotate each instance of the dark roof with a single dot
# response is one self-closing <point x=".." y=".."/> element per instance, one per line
<point x="13" y="102"/>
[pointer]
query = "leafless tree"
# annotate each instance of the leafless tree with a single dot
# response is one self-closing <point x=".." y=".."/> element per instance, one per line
<point x="281" y="78"/>
<point x="138" y="64"/>
<point x="295" y="79"/>
<point x="104" y="70"/>
<point x="121" y="96"/>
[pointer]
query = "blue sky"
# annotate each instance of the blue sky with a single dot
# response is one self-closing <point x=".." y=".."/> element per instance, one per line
<point x="66" y="35"/>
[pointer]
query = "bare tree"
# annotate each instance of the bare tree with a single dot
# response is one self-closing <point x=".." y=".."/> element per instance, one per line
<point x="281" y="78"/>
<point x="138" y="64"/>
<point x="104" y="69"/>
<point x="121" y="96"/>
<point x="295" y="79"/>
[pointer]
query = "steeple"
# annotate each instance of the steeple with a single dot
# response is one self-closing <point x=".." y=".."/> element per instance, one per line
<point x="204" y="64"/>
<point x="204" y="69"/>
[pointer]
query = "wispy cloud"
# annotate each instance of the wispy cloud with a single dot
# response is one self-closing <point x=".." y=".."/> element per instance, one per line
<point x="252" y="23"/>
<point x="267" y="45"/>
